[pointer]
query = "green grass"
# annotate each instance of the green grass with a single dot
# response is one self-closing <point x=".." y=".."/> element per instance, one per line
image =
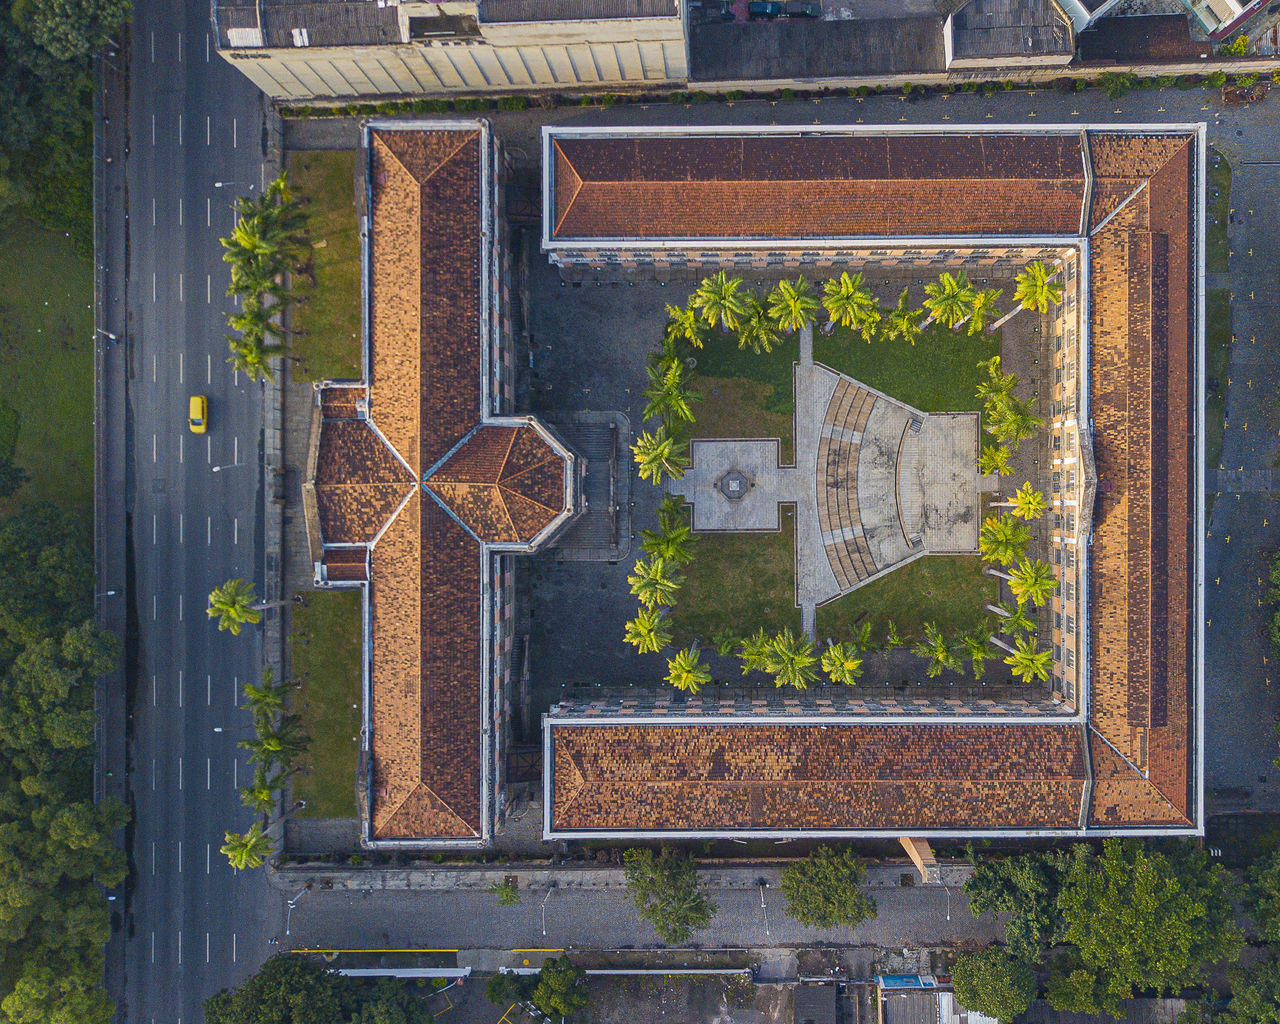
<point x="949" y="590"/>
<point x="325" y="644"/>
<point x="46" y="357"/>
<point x="1218" y="211"/>
<point x="329" y="322"/>
<point x="739" y="581"/>
<point x="722" y="358"/>
<point x="735" y="407"/>
<point x="1217" y="355"/>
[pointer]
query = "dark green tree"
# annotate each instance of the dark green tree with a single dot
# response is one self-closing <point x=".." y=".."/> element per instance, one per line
<point x="287" y="989"/>
<point x="391" y="1001"/>
<point x="994" y="983"/>
<point x="48" y="573"/>
<point x="1142" y="919"/>
<point x="561" y="989"/>
<point x="72" y="29"/>
<point x="12" y="476"/>
<point x="505" y="989"/>
<point x="1262" y="894"/>
<point x="1026" y="889"/>
<point x="1255" y="995"/>
<point x="822" y="890"/>
<point x="664" y="887"/>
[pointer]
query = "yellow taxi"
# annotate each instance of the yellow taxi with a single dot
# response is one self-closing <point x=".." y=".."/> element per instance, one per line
<point x="198" y="414"/>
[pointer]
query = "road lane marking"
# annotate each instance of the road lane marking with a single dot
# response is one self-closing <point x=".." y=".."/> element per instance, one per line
<point x="155" y="520"/>
<point x="233" y="947"/>
<point x="179" y="948"/>
<point x="154" y="448"/>
<point x="179" y="854"/>
<point x="206" y="947"/>
<point x="179" y="211"/>
<point x="208" y="372"/>
<point x="206" y="124"/>
<point x="235" y="539"/>
<point x="182" y="364"/>
<point x="180" y="444"/>
<point x="179" y="120"/>
<point x="206" y="858"/>
<point x="208" y="290"/>
<point x="153" y="858"/>
<point x="179" y="774"/>
<point x="180" y="688"/>
<point x="153" y="211"/>
<point x="179" y="607"/>
<point x="235" y="451"/>
<point x="235" y="692"/>
<point x="208" y="530"/>
<point x="180" y="290"/>
<point x="208" y="777"/>
<point x="179" y="47"/>
<point x="206" y="47"/>
<point x="153" y="367"/>
<point x="154" y="606"/>
<point x="235" y="774"/>
<point x="181" y="530"/>
<point x="153" y="286"/>
<point x="153" y="947"/>
<point x="153" y="689"/>
<point x="208" y="212"/>
<point x="262" y="177"/>
<point x="153" y="47"/>
<point x="153" y="129"/>
<point x="235" y="378"/>
<point x="153" y="784"/>
<point x="208" y="444"/>
<point x="235" y="133"/>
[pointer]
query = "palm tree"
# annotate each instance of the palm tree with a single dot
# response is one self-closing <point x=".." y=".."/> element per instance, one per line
<point x="1031" y="581"/>
<point x="949" y="299"/>
<point x="842" y="663"/>
<point x="259" y="795"/>
<point x="1012" y="620"/>
<point x="1027" y="660"/>
<point x="249" y="355"/>
<point x="278" y="745"/>
<point x="646" y="632"/>
<point x="938" y="649"/>
<point x="759" y="331"/>
<point x="754" y="651"/>
<point x="1014" y="422"/>
<point x="719" y="301"/>
<point x="994" y="460"/>
<point x="977" y="644"/>
<point x="1036" y="289"/>
<point x="982" y="310"/>
<point x="684" y="323"/>
<point x="1003" y="539"/>
<point x="790" y="660"/>
<point x="660" y="453"/>
<point x="1027" y="503"/>
<point x="232" y="605"/>
<point x="671" y="513"/>
<point x="996" y="389"/>
<point x="257" y="318"/>
<point x="903" y="323"/>
<point x="793" y="306"/>
<point x="893" y="638"/>
<point x="686" y="672"/>
<point x="672" y="543"/>
<point x="863" y="640"/>
<point x="668" y="396"/>
<point x="850" y="303"/>
<point x="655" y="582"/>
<point x="247" y="850"/>
<point x="265" y="701"/>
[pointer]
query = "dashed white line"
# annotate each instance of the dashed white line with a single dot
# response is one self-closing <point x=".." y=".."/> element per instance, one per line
<point x="153" y="47"/>
<point x="235" y="774"/>
<point x="208" y="369"/>
<point x="206" y="858"/>
<point x="179" y="852"/>
<point x="179" y="773"/>
<point x="153" y="789"/>
<point x="179" y="211"/>
<point x="208" y="212"/>
<point x="153" y="689"/>
<point x="180" y="688"/>
<point x="155" y="606"/>
<point x="179" y="947"/>
<point x="153" y="947"/>
<point x="155" y="448"/>
<point x="180" y="286"/>
<point x="206" y="47"/>
<point x="153" y="286"/>
<point x="208" y="446"/>
<point x="208" y="288"/>
<point x="179" y="607"/>
<point x="233" y="947"/>
<point x="235" y="451"/>
<point x="179" y="47"/>
<point x="153" y="129"/>
<point x="179" y="122"/>
<point x="235" y="539"/>
<point x="208" y="773"/>
<point x="153" y="211"/>
<point x="181" y="530"/>
<point x="235" y="136"/>
<point x="153" y="858"/>
<point x="206" y="947"/>
<point x="182" y="363"/>
<point x="208" y="530"/>
<point x="180" y="445"/>
<point x="262" y="177"/>
<point x="155" y="520"/>
<point x="206" y="124"/>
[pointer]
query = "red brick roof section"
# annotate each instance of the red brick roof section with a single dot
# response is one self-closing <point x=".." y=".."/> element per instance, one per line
<point x="359" y="482"/>
<point x="784" y="777"/>
<point x="506" y="484"/>
<point x="815" y="186"/>
<point x="1141" y="381"/>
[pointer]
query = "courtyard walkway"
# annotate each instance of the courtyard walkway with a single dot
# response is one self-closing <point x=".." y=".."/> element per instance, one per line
<point x="876" y="484"/>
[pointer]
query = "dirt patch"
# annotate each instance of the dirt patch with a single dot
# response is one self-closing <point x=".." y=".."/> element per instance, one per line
<point x="716" y="999"/>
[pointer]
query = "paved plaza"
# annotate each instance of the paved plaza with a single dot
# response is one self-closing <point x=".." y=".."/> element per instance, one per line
<point x="875" y="484"/>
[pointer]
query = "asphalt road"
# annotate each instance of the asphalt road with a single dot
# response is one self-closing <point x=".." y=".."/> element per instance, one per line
<point x="190" y="924"/>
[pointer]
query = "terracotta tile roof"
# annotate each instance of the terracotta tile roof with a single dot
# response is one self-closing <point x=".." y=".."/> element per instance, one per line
<point x="1121" y="796"/>
<point x="359" y="482"/>
<point x="1141" y="381"/>
<point x="706" y="777"/>
<point x="341" y="403"/>
<point x="798" y="186"/>
<point x="349" y="565"/>
<point x="505" y="484"/>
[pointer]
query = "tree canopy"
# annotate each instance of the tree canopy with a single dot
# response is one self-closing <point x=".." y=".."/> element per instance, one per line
<point x="561" y="989"/>
<point x="822" y="890"/>
<point x="664" y="888"/>
<point x="994" y="983"/>
<point x="1025" y="888"/>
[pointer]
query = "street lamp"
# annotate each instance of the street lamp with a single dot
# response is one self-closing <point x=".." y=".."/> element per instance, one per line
<point x="763" y="909"/>
<point x="551" y="887"/>
<point x="230" y="465"/>
<point x="107" y="334"/>
<point x="948" y="891"/>
<point x="288" y="918"/>
<point x="228" y="184"/>
<point x="106" y="593"/>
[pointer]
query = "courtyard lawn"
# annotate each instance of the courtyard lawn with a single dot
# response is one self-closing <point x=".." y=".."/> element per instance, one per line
<point x="739" y="582"/>
<point x="1217" y="326"/>
<point x="328" y="322"/>
<point x="737" y="407"/>
<point x="325" y="645"/>
<point x="1218" y="212"/>
<point x="949" y="590"/>
<point x="46" y="354"/>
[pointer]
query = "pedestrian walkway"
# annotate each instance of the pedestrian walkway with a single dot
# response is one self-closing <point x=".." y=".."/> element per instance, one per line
<point x="876" y="484"/>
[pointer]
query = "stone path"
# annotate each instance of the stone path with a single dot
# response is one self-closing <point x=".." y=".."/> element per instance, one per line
<point x="875" y="484"/>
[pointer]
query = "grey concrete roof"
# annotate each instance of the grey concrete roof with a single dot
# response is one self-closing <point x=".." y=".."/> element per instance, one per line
<point x="324" y="22"/>
<point x="494" y="11"/>
<point x="794" y="48"/>
<point x="1010" y="28"/>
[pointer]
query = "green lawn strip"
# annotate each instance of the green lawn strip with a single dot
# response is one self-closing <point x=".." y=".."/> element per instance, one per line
<point x="1217" y="354"/>
<point x="939" y="373"/>
<point x="949" y="590"/>
<point x="1218" y="212"/>
<point x="46" y="354"/>
<point x="722" y="358"/>
<point x="738" y="581"/>
<point x="737" y="407"/>
<point x="325" y="645"/>
<point x="328" y="345"/>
